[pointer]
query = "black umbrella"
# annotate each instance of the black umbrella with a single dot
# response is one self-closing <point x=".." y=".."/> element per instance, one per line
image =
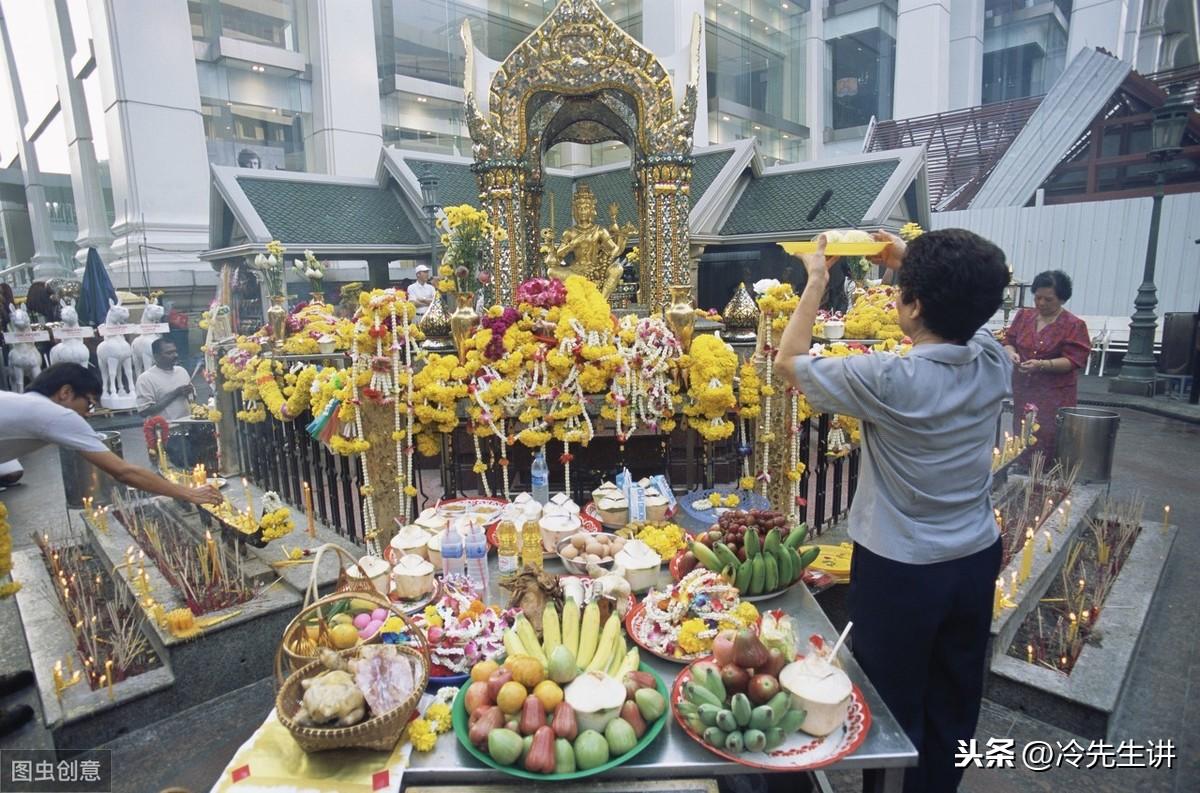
<point x="95" y="291"/>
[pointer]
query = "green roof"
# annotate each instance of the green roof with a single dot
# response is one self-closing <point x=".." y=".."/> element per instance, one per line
<point x="457" y="185"/>
<point x="321" y="213"/>
<point x="781" y="202"/>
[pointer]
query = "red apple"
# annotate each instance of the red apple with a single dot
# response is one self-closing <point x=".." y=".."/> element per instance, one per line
<point x="762" y="688"/>
<point x="735" y="679"/>
<point x="722" y="648"/>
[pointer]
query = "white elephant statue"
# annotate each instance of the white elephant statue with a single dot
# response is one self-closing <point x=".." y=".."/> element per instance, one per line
<point x="23" y="358"/>
<point x="143" y="355"/>
<point x="70" y="350"/>
<point x="116" y="359"/>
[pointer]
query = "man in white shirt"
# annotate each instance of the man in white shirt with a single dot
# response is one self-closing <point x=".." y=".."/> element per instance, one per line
<point x="52" y="410"/>
<point x="164" y="388"/>
<point x="422" y="293"/>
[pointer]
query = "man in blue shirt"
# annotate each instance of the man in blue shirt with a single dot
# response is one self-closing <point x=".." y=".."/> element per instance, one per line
<point x="926" y="545"/>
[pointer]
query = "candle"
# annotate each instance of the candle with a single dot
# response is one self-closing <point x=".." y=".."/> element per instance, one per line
<point x="998" y="601"/>
<point x="1029" y="653"/>
<point x="1013" y="586"/>
<point x="1066" y="521"/>
<point x="1073" y="630"/>
<point x="58" y="678"/>
<point x="212" y="552"/>
<point x="1049" y="545"/>
<point x="1166" y="517"/>
<point x="104" y="682"/>
<point x="108" y="670"/>
<point x="249" y="500"/>
<point x="308" y="510"/>
<point x="1027" y="556"/>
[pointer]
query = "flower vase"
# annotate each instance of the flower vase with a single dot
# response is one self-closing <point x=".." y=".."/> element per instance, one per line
<point x="463" y="321"/>
<point x="680" y="316"/>
<point x="277" y="319"/>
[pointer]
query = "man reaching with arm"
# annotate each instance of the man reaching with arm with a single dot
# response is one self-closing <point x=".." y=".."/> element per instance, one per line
<point x="52" y="410"/>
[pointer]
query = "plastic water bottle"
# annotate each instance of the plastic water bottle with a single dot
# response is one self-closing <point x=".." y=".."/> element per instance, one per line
<point x="539" y="476"/>
<point x="477" y="550"/>
<point x="452" y="552"/>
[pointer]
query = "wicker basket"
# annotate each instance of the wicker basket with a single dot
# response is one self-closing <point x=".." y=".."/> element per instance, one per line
<point x="378" y="733"/>
<point x="345" y="588"/>
<point x="289" y="659"/>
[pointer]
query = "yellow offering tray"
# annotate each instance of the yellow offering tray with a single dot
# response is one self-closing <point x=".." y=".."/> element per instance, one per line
<point x="835" y="248"/>
<point x="835" y="560"/>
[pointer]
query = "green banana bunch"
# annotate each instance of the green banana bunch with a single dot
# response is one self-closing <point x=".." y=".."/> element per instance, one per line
<point x="735" y="726"/>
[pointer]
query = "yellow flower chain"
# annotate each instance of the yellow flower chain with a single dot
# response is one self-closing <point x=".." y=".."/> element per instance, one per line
<point x="7" y="589"/>
<point x="710" y="392"/>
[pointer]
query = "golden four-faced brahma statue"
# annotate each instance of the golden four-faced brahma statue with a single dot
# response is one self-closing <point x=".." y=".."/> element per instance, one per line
<point x="594" y="250"/>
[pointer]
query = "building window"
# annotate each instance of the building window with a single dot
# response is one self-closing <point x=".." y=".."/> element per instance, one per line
<point x="271" y="23"/>
<point x="862" y="68"/>
<point x="250" y="136"/>
<point x="421" y="39"/>
<point x="199" y="16"/>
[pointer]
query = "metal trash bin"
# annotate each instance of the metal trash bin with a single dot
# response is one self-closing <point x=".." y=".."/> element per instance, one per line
<point x="191" y="441"/>
<point x="82" y="479"/>
<point x="1087" y="437"/>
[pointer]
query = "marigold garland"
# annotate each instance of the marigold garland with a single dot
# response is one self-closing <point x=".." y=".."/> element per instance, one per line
<point x="710" y="393"/>
<point x="9" y="588"/>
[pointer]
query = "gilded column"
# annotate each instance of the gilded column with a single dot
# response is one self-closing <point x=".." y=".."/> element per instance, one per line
<point x="665" y="185"/>
<point x="502" y="195"/>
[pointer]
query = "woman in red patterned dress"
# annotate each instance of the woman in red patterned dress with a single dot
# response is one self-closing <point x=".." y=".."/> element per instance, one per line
<point x="1048" y="346"/>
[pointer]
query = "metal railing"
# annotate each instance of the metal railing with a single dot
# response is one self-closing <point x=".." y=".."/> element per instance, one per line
<point x="281" y="456"/>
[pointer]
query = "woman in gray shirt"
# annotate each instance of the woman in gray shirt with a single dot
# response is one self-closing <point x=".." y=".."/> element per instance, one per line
<point x="926" y="545"/>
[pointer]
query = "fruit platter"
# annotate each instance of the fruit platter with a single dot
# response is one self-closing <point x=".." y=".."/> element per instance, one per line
<point x="679" y="623"/>
<point x="751" y="551"/>
<point x="755" y="702"/>
<point x="571" y="703"/>
<point x="701" y="508"/>
<point x="839" y="242"/>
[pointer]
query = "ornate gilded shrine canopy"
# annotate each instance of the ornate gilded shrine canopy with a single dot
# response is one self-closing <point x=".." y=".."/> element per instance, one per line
<point x="579" y="78"/>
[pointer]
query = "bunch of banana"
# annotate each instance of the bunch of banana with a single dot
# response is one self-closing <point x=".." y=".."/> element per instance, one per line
<point x="591" y="648"/>
<point x="733" y="723"/>
<point x="769" y="565"/>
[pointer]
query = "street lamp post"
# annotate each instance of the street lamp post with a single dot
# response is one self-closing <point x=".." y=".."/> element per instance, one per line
<point x="1137" y="374"/>
<point x="429" y="202"/>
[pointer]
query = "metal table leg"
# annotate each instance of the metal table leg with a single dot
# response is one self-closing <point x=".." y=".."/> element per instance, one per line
<point x="889" y="780"/>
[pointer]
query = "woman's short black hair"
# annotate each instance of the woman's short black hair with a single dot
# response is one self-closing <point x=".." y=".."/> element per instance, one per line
<point x="958" y="276"/>
<point x="82" y="379"/>
<point x="1057" y="280"/>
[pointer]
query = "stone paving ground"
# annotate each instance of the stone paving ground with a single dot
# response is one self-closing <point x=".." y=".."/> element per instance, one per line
<point x="1157" y="458"/>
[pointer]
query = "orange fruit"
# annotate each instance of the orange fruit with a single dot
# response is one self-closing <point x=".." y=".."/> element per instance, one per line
<point x="511" y="697"/>
<point x="549" y="694"/>
<point x="343" y="636"/>
<point x="481" y="671"/>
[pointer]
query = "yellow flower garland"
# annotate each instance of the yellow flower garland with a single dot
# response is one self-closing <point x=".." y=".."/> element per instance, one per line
<point x="712" y="363"/>
<point x="749" y="392"/>
<point x="8" y="589"/>
<point x="277" y="524"/>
